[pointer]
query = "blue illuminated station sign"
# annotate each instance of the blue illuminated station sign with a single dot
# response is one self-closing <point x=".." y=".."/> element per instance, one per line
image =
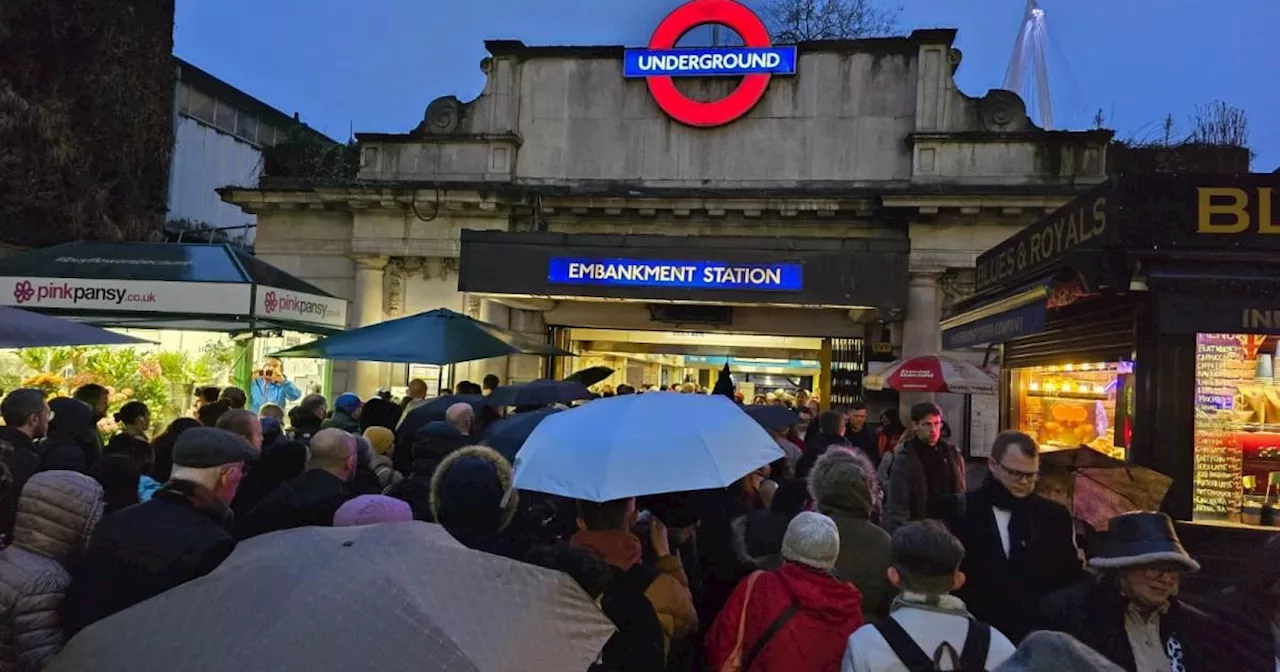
<point x="709" y="62"/>
<point x="784" y="277"/>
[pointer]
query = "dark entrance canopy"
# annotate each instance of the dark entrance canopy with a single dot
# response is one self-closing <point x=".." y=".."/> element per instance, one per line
<point x="166" y="286"/>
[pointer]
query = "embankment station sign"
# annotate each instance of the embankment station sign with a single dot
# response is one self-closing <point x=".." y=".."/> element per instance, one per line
<point x="784" y="277"/>
<point x="756" y="62"/>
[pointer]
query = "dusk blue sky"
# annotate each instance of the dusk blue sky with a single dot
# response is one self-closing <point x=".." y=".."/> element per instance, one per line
<point x="374" y="66"/>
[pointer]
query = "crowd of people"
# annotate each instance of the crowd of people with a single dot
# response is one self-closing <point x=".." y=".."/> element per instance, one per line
<point x="859" y="550"/>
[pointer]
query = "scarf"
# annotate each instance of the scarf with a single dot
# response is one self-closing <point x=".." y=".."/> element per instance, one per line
<point x="1019" y="524"/>
<point x="941" y="604"/>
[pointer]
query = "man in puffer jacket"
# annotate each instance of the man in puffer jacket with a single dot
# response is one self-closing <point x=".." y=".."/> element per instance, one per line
<point x="57" y="510"/>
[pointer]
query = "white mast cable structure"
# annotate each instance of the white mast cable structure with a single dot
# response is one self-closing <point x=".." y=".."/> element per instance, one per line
<point x="1028" y="72"/>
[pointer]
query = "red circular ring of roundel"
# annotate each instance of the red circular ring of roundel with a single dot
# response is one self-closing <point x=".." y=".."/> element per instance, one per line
<point x="699" y="13"/>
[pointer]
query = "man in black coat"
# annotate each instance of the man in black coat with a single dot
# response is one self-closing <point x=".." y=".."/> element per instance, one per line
<point x="861" y="435"/>
<point x="312" y="497"/>
<point x="432" y="443"/>
<point x="26" y="418"/>
<point x="1019" y="546"/>
<point x="178" y="535"/>
<point x="831" y="427"/>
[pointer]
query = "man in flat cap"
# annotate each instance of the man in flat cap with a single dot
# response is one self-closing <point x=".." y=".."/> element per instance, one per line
<point x="181" y="534"/>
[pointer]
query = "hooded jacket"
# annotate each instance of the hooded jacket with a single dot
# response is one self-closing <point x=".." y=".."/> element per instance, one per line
<point x="56" y="513"/>
<point x="842" y="490"/>
<point x="341" y="419"/>
<point x="467" y="499"/>
<point x="431" y="444"/>
<point x="813" y="639"/>
<point x="669" y="593"/>
<point x="73" y="443"/>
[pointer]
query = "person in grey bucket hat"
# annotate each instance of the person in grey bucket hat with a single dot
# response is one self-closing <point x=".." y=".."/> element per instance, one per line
<point x="180" y="534"/>
<point x="1131" y="613"/>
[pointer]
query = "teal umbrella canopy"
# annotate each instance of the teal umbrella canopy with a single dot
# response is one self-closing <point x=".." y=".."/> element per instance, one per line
<point x="437" y="337"/>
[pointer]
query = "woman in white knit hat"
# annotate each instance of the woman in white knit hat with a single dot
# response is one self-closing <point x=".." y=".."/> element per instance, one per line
<point x="796" y="617"/>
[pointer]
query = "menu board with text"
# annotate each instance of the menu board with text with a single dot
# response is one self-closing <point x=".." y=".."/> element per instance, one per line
<point x="1221" y="363"/>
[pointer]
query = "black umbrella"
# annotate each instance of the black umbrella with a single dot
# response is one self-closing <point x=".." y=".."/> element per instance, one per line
<point x="507" y="435"/>
<point x="539" y="393"/>
<point x="772" y="417"/>
<point x="591" y="376"/>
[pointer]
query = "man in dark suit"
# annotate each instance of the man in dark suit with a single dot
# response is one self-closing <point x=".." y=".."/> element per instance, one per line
<point x="1019" y="546"/>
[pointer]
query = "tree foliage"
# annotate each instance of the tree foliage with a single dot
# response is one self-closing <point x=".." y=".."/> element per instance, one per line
<point x="306" y="156"/>
<point x="804" y="20"/>
<point x="86" y="119"/>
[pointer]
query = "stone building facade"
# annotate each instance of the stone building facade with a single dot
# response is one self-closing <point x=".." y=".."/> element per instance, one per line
<point x="868" y="165"/>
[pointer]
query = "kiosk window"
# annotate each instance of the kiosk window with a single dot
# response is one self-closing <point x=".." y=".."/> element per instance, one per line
<point x="1237" y="427"/>
<point x="1074" y="404"/>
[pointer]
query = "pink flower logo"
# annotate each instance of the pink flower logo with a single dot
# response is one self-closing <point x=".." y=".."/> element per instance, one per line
<point x="271" y="302"/>
<point x="23" y="291"/>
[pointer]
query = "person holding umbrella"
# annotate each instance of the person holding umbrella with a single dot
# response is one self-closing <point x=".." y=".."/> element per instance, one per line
<point x="606" y="530"/>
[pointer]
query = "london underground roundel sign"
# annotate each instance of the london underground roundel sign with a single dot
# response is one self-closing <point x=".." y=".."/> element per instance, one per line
<point x="756" y="62"/>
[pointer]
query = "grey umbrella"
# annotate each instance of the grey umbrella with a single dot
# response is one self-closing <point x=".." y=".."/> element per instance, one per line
<point x="396" y="596"/>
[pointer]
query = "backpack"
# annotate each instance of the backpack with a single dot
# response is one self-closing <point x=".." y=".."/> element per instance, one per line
<point x="638" y="645"/>
<point x="973" y="658"/>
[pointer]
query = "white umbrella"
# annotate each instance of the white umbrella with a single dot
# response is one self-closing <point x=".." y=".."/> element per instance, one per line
<point x="643" y="444"/>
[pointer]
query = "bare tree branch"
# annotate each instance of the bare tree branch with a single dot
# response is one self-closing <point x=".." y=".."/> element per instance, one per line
<point x="1220" y="124"/>
<point x="804" y="20"/>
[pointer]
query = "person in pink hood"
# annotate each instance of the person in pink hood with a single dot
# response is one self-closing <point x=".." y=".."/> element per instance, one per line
<point x="797" y="617"/>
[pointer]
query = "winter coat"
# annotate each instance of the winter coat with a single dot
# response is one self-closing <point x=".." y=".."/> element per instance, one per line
<point x="929" y="628"/>
<point x="384" y="471"/>
<point x="757" y="538"/>
<point x="997" y="592"/>
<point x="20" y="462"/>
<point x="908" y="497"/>
<point x="146" y="549"/>
<point x="56" y="513"/>
<point x="813" y="639"/>
<point x="1093" y="612"/>
<point x="280" y="461"/>
<point x="341" y="420"/>
<point x="722" y="568"/>
<point x="310" y="498"/>
<point x="73" y="443"/>
<point x="669" y="592"/>
<point x="1243" y="640"/>
<point x="842" y="490"/>
<point x="431" y="443"/>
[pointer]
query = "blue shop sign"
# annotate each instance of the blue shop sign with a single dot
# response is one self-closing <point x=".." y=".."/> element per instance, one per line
<point x="676" y="274"/>
<point x="711" y="62"/>
<point x="998" y="328"/>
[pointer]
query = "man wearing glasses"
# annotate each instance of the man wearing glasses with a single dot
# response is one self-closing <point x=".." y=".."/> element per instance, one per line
<point x="1019" y="545"/>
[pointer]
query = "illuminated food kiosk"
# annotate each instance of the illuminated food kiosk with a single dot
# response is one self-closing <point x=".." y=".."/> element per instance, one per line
<point x="1143" y="320"/>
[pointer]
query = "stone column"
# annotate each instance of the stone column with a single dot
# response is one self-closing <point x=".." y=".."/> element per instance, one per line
<point x="368" y="310"/>
<point x="922" y="330"/>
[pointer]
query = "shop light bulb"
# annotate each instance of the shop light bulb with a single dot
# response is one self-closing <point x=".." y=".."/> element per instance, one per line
<point x="1097" y="389"/>
<point x="1050" y="386"/>
<point x="1034" y="387"/>
<point x="1070" y="367"/>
